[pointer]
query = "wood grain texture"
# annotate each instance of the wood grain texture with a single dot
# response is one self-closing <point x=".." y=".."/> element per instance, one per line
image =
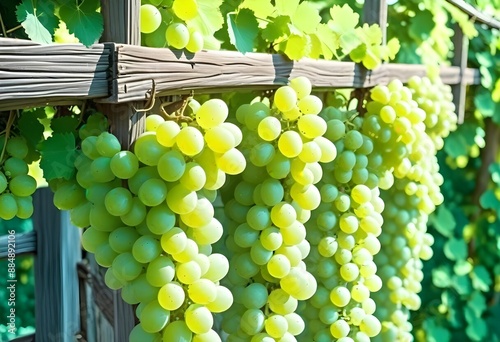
<point x="25" y="244"/>
<point x="461" y="44"/>
<point x="215" y="71"/>
<point x="34" y="74"/>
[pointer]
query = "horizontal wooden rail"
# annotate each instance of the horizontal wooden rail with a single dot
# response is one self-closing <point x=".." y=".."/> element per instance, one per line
<point x="25" y="243"/>
<point x="476" y="14"/>
<point x="33" y="74"/>
<point x="214" y="71"/>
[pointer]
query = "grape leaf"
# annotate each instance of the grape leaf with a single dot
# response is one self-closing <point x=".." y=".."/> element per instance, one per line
<point x="495" y="172"/>
<point x="344" y="19"/>
<point x="443" y="221"/>
<point x="243" y="28"/>
<point x="306" y="18"/>
<point x="441" y="276"/>
<point x="286" y="7"/>
<point x="30" y="127"/>
<point x="38" y="20"/>
<point x="65" y="124"/>
<point x="276" y="29"/>
<point x="209" y="18"/>
<point x="481" y="279"/>
<point x="83" y="20"/>
<point x="477" y="303"/>
<point x="462" y="284"/>
<point x="484" y="103"/>
<point x="297" y="46"/>
<point x="462" y="267"/>
<point x="455" y="249"/>
<point x="262" y="8"/>
<point x="488" y="200"/>
<point x="58" y="156"/>
<point x="477" y="330"/>
<point x="329" y="41"/>
<point x="435" y="332"/>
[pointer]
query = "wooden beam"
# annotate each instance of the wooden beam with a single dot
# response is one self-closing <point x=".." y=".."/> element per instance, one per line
<point x="218" y="71"/>
<point x="475" y="14"/>
<point x="25" y="244"/>
<point x="461" y="44"/>
<point x="56" y="280"/>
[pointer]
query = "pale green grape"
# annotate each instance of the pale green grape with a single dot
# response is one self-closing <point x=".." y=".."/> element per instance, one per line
<point x="296" y="324"/>
<point x="105" y="256"/>
<point x="311" y="152"/>
<point x="107" y="145"/>
<point x="222" y="301"/>
<point x="339" y="328"/>
<point x="177" y="35"/>
<point x="89" y="147"/>
<point x="301" y="85"/>
<point x="153" y="317"/>
<point x="146" y="248"/>
<point x="188" y="272"/>
<point x="212" y="113"/>
<point x="194" y="177"/>
<point x="269" y="128"/>
<point x="252" y="321"/>
<point x="118" y="201"/>
<point x="328" y="149"/>
<point x="138" y="334"/>
<point x="340" y="296"/>
<point x="219" y="266"/>
<point x="276" y="326"/>
<point x="310" y="104"/>
<point x="121" y="239"/>
<point x="232" y="162"/>
<point x="171" y="166"/>
<point x="370" y="325"/>
<point x="150" y="18"/>
<point x="219" y="139"/>
<point x="308" y="196"/>
<point x="171" y="296"/>
<point x="190" y="141"/>
<point x="124" y="164"/>
<point x="201" y="216"/>
<point x="126" y="267"/>
<point x="285" y="98"/>
<point x="290" y="144"/>
<point x="68" y="195"/>
<point x="202" y="291"/>
<point x="311" y="126"/>
<point x="147" y="149"/>
<point x="181" y="200"/>
<point x="235" y="131"/>
<point x="188" y="253"/>
<point x="283" y="214"/>
<point x="210" y="336"/>
<point x="100" y="169"/>
<point x="153" y="192"/>
<point x="177" y="331"/>
<point x="111" y="281"/>
<point x="92" y="238"/>
<point x="166" y="133"/>
<point x="209" y="233"/>
<point x="160" y="219"/>
<point x="174" y="241"/>
<point x="349" y="271"/>
<point x="278" y="266"/>
<point x="195" y="42"/>
<point x="160" y="271"/>
<point x="136" y="214"/>
<point x="185" y="9"/>
<point x="198" y="318"/>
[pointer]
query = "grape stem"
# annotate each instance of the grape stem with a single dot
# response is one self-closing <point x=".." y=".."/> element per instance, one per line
<point x="7" y="132"/>
<point x="176" y="109"/>
<point x="151" y="101"/>
<point x="4" y="31"/>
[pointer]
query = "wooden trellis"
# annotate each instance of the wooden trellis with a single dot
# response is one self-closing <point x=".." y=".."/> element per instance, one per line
<point x="118" y="75"/>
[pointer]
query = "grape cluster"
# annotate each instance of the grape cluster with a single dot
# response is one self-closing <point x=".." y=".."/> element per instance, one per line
<point x="171" y="23"/>
<point x="343" y="232"/>
<point x="16" y="186"/>
<point x="150" y="217"/>
<point x="403" y="122"/>
<point x="269" y="205"/>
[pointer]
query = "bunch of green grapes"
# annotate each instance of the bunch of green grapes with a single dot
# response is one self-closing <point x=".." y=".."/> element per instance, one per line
<point x="403" y="125"/>
<point x="151" y="221"/>
<point x="270" y="204"/>
<point x="16" y="186"/>
<point x="171" y="23"/>
<point x="343" y="232"/>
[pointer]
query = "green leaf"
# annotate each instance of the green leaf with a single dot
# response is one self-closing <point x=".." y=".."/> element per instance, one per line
<point x="422" y="25"/>
<point x="209" y="18"/>
<point x="477" y="330"/>
<point x="477" y="303"/>
<point x="441" y="276"/>
<point x="443" y="221"/>
<point x="306" y="18"/>
<point x="484" y="103"/>
<point x="344" y="19"/>
<point x="434" y="332"/>
<point x="243" y="28"/>
<point x="65" y="124"/>
<point x="297" y="47"/>
<point x="329" y="41"/>
<point x="455" y="249"/>
<point x="495" y="172"/>
<point x="349" y="41"/>
<point x="38" y="20"/>
<point x="286" y="7"/>
<point x="58" y="156"/>
<point x="462" y="284"/>
<point x="262" y="8"/>
<point x="30" y="127"/>
<point x="462" y="267"/>
<point x="488" y="200"/>
<point x="481" y="279"/>
<point x="276" y="29"/>
<point x="456" y="145"/>
<point x="83" y="21"/>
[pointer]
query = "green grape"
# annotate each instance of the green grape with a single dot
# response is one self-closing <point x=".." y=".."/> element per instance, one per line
<point x="195" y="42"/>
<point x="25" y="207"/>
<point x="150" y="18"/>
<point x="174" y="241"/>
<point x="152" y="192"/>
<point x="219" y="267"/>
<point x="153" y="121"/>
<point x="301" y="85"/>
<point x="143" y="174"/>
<point x="311" y="152"/>
<point x="349" y="271"/>
<point x="311" y="126"/>
<point x="118" y="201"/>
<point x="68" y="195"/>
<point x="285" y="98"/>
<point x="380" y="93"/>
<point x="105" y="255"/>
<point x="185" y="9"/>
<point x="310" y="104"/>
<point x="194" y="177"/>
<point x="136" y="214"/>
<point x="138" y="334"/>
<point x="232" y="162"/>
<point x="269" y="128"/>
<point x="276" y="326"/>
<point x="235" y="131"/>
<point x="167" y="132"/>
<point x="126" y="267"/>
<point x="208" y="234"/>
<point x="153" y="317"/>
<point x="188" y="272"/>
<point x="188" y="253"/>
<point x="339" y="328"/>
<point x="262" y="154"/>
<point x="181" y="200"/>
<point x="283" y="214"/>
<point x="222" y="301"/>
<point x="219" y="139"/>
<point x="100" y="170"/>
<point x="290" y="144"/>
<point x="279" y="167"/>
<point x="370" y="325"/>
<point x="160" y="271"/>
<point x="148" y="150"/>
<point x="13" y="167"/>
<point x="124" y="164"/>
<point x="160" y="219"/>
<point x="146" y="248"/>
<point x="107" y="145"/>
<point x="252" y="321"/>
<point x="212" y="113"/>
<point x="171" y="296"/>
<point x="190" y="141"/>
<point x="111" y="281"/>
<point x="122" y="239"/>
<point x="22" y="185"/>
<point x="177" y="35"/>
<point x="93" y="238"/>
<point x="17" y="147"/>
<point x="278" y="266"/>
<point x="210" y="336"/>
<point x="202" y="291"/>
<point x="327" y="148"/>
<point x="177" y="331"/>
<point x="198" y="318"/>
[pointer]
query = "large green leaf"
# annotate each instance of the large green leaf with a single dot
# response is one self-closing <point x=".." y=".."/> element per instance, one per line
<point x="83" y="20"/>
<point x="58" y="156"/>
<point x="38" y="20"/>
<point x="243" y="28"/>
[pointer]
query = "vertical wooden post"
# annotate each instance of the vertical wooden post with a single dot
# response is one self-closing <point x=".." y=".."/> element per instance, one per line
<point x="461" y="44"/>
<point x="57" y="312"/>
<point x="121" y="25"/>
<point x="375" y="12"/>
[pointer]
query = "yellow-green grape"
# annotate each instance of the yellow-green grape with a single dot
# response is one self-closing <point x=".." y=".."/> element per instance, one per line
<point x="177" y="35"/>
<point x="232" y="162"/>
<point x="210" y="336"/>
<point x="8" y="206"/>
<point x="212" y="113"/>
<point x="153" y="317"/>
<point x="177" y="331"/>
<point x="310" y="104"/>
<point x="222" y="301"/>
<point x="138" y="334"/>
<point x="3" y="182"/>
<point x="181" y="200"/>
<point x="269" y="128"/>
<point x="150" y="18"/>
<point x="153" y="121"/>
<point x="301" y="85"/>
<point x="290" y="144"/>
<point x="285" y="98"/>
<point x="188" y="272"/>
<point x="171" y="166"/>
<point x="381" y="94"/>
<point x="198" y="318"/>
<point x="195" y="42"/>
<point x="185" y="9"/>
<point x="118" y="201"/>
<point x="147" y="149"/>
<point x="219" y="139"/>
<point x="194" y="177"/>
<point x="311" y="126"/>
<point x="190" y="141"/>
<point x="22" y="185"/>
<point x="17" y="147"/>
<point x="202" y="291"/>
<point x="340" y="328"/>
<point x="124" y="164"/>
<point x="166" y="133"/>
<point x="146" y="248"/>
<point x="276" y="326"/>
<point x="126" y="267"/>
<point x="171" y="296"/>
<point x="160" y="271"/>
<point x="107" y="144"/>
